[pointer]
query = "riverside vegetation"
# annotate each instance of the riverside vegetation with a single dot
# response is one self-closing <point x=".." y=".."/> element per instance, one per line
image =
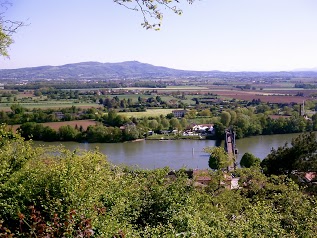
<point x="112" y="125"/>
<point x="53" y="192"/>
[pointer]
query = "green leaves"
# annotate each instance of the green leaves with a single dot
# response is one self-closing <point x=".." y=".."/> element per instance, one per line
<point x="248" y="160"/>
<point x="5" y="42"/>
<point x="301" y="156"/>
<point x="219" y="158"/>
<point x="7" y="29"/>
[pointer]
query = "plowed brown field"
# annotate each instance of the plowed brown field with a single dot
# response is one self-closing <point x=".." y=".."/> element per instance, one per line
<point x="57" y="125"/>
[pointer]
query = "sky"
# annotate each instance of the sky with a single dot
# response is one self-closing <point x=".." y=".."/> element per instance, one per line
<point x="227" y="35"/>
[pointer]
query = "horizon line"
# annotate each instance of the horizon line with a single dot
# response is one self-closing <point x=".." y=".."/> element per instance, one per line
<point x="300" y="69"/>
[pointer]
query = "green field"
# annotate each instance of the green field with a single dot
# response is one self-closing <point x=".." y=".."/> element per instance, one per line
<point x="47" y="105"/>
<point x="148" y="113"/>
<point x="185" y="88"/>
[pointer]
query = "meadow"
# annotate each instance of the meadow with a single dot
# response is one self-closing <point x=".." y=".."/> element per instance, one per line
<point x="49" y="105"/>
<point x="148" y="113"/>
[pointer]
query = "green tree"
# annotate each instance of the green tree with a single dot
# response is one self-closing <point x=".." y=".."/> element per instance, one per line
<point x="169" y="115"/>
<point x="153" y="124"/>
<point x="248" y="160"/>
<point x="27" y="129"/>
<point x="103" y="134"/>
<point x="17" y="109"/>
<point x="49" y="134"/>
<point x="242" y="123"/>
<point x="4" y="118"/>
<point x="205" y="113"/>
<point x="218" y="159"/>
<point x="174" y="123"/>
<point x="191" y="114"/>
<point x="301" y="156"/>
<point x="113" y="119"/>
<point x="131" y="132"/>
<point x="67" y="133"/>
<point x="183" y="122"/>
<point x="314" y="119"/>
<point x="165" y="123"/>
<point x="15" y="152"/>
<point x="233" y="115"/>
<point x="225" y="118"/>
<point x="219" y="130"/>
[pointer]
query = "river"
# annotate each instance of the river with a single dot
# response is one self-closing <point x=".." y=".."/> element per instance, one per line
<point x="176" y="154"/>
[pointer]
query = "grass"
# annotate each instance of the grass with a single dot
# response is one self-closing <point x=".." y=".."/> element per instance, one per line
<point x="47" y="105"/>
<point x="148" y="113"/>
<point x="185" y="88"/>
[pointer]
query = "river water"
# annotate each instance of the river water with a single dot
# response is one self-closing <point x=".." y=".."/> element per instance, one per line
<point x="176" y="154"/>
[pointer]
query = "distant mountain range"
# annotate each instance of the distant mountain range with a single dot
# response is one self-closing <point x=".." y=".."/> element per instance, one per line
<point x="128" y="70"/>
<point x="306" y="69"/>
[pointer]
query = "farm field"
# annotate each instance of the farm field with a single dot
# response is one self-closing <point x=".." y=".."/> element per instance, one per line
<point x="48" y="105"/>
<point x="148" y="113"/>
<point x="57" y="125"/>
<point x="168" y="88"/>
<point x="281" y="96"/>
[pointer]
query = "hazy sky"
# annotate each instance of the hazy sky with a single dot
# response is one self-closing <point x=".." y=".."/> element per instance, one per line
<point x="210" y="35"/>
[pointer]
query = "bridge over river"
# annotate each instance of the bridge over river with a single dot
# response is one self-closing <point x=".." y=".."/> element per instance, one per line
<point x="230" y="148"/>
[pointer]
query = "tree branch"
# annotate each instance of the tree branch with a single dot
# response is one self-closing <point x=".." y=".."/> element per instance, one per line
<point x="7" y="28"/>
<point x="152" y="9"/>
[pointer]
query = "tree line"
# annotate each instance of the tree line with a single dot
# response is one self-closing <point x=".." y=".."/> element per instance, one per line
<point x="20" y="114"/>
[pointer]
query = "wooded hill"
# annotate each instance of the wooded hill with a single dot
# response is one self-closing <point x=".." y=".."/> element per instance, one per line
<point x="129" y="69"/>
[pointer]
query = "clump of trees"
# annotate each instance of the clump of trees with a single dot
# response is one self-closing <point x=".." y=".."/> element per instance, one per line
<point x="300" y="156"/>
<point x="20" y="114"/>
<point x="97" y="133"/>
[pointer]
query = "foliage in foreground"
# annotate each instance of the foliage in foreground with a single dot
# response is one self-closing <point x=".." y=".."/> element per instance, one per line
<point x="53" y="192"/>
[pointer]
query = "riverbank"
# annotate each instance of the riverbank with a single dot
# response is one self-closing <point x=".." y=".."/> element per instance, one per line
<point x="172" y="137"/>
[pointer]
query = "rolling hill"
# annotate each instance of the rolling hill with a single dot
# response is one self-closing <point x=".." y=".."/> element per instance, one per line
<point x="128" y="70"/>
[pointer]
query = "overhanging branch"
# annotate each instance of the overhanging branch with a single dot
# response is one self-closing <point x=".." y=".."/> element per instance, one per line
<point x="152" y="9"/>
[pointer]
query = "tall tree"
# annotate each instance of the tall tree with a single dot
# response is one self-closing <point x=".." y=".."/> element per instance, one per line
<point x="218" y="159"/>
<point x="225" y="118"/>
